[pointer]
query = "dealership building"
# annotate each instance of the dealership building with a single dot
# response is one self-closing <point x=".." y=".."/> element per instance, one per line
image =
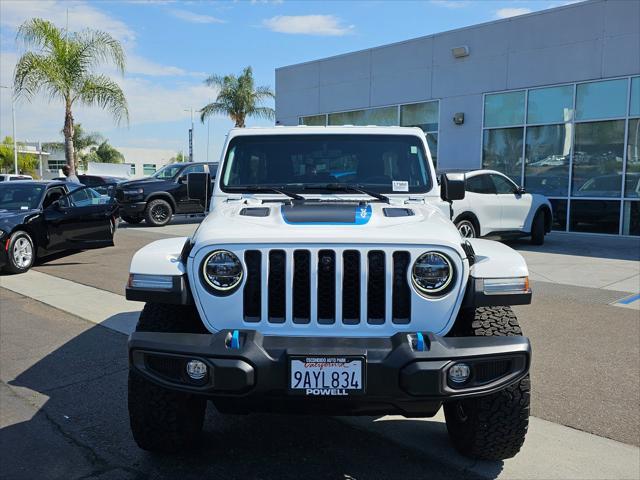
<point x="551" y="99"/>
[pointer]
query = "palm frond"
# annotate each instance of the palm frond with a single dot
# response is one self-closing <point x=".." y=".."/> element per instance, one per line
<point x="212" y="109"/>
<point x="97" y="47"/>
<point x="102" y="91"/>
<point x="39" y="33"/>
<point x="263" y="112"/>
<point x="35" y="72"/>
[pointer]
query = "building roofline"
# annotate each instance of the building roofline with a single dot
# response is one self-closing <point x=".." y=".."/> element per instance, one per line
<point x="433" y="35"/>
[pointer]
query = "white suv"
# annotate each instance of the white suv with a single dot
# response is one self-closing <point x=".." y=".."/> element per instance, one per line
<point x="495" y="206"/>
<point x="329" y="278"/>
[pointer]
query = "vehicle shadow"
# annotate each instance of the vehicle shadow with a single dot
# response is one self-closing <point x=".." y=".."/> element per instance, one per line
<point x="176" y="220"/>
<point x="617" y="248"/>
<point x="80" y="430"/>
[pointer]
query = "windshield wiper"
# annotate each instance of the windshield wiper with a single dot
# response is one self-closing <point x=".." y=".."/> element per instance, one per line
<point x="346" y="187"/>
<point x="265" y="189"/>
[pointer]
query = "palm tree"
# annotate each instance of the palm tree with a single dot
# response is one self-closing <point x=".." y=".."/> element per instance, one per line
<point x="63" y="66"/>
<point x="238" y="98"/>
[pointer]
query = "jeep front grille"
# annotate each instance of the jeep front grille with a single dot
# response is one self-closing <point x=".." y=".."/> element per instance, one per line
<point x="300" y="285"/>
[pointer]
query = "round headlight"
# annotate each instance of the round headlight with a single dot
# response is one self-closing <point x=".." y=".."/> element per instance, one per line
<point x="432" y="273"/>
<point x="222" y="270"/>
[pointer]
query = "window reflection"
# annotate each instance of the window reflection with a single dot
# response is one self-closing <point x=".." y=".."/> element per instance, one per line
<point x="597" y="159"/>
<point x="632" y="177"/>
<point x="634" y="104"/>
<point x="550" y="105"/>
<point x="313" y="120"/>
<point x="631" y="219"/>
<point x="374" y="116"/>
<point x="503" y="109"/>
<point x="595" y="216"/>
<point x="502" y="151"/>
<point x="559" y="214"/>
<point x="423" y="115"/>
<point x="547" y="158"/>
<point x="601" y="99"/>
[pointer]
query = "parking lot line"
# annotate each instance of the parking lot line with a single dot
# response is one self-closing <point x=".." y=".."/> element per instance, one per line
<point x="551" y="450"/>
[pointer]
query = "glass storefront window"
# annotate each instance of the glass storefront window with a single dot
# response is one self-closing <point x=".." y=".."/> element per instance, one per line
<point x="547" y="155"/>
<point x="504" y="109"/>
<point x="314" y="120"/>
<point x="634" y="104"/>
<point x="423" y="115"/>
<point x="559" y="214"/>
<point x="148" y="169"/>
<point x="631" y="218"/>
<point x="632" y="177"/>
<point x="384" y="116"/>
<point x="550" y="105"/>
<point x="606" y="99"/>
<point x="595" y="216"/>
<point x="597" y="159"/>
<point x="502" y="151"/>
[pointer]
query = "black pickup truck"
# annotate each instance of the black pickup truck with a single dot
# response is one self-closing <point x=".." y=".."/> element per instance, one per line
<point x="157" y="198"/>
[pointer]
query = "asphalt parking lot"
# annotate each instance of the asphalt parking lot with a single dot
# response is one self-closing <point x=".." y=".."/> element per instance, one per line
<point x="64" y="384"/>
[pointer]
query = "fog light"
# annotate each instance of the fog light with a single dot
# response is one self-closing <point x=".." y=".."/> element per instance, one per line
<point x="459" y="373"/>
<point x="196" y="369"/>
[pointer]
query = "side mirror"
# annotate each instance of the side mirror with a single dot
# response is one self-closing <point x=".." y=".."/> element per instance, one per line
<point x="183" y="179"/>
<point x="452" y="186"/>
<point x="198" y="185"/>
<point x="520" y="190"/>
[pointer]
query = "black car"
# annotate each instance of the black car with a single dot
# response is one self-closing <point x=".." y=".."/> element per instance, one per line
<point x="40" y="218"/>
<point x="156" y="198"/>
<point x="95" y="180"/>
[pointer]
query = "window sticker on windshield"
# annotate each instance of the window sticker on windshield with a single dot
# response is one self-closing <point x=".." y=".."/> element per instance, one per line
<point x="24" y="208"/>
<point x="414" y="149"/>
<point x="400" y="186"/>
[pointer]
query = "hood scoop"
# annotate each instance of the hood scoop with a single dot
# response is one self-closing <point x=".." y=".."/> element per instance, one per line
<point x="398" y="212"/>
<point x="255" y="212"/>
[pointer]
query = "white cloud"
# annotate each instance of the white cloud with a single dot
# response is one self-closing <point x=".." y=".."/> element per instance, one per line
<point x="451" y="3"/>
<point x="142" y="66"/>
<point x="327" y="25"/>
<point x="193" y="17"/>
<point x="511" y="12"/>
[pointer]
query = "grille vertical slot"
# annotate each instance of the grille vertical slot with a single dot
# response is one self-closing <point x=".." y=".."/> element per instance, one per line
<point x="326" y="287"/>
<point x="376" y="287"/>
<point x="277" y="286"/>
<point x="351" y="287"/>
<point x="301" y="286"/>
<point x="401" y="310"/>
<point x="252" y="295"/>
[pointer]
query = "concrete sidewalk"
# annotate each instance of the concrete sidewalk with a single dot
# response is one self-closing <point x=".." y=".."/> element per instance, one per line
<point x="551" y="451"/>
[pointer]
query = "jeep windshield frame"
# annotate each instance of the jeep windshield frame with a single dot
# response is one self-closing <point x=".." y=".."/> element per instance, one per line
<point x="384" y="164"/>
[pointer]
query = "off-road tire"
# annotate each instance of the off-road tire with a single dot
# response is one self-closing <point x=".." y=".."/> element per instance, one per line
<point x="163" y="420"/>
<point x="492" y="427"/>
<point x="132" y="220"/>
<point x="158" y="212"/>
<point x="17" y="238"/>
<point x="537" y="229"/>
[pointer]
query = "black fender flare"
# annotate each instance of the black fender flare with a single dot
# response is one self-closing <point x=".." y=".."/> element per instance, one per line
<point x="163" y="196"/>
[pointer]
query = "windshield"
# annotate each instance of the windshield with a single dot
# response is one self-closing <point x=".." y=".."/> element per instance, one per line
<point x="14" y="196"/>
<point x="167" y="172"/>
<point x="379" y="163"/>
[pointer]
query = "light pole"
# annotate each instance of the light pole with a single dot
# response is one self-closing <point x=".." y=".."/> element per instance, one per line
<point x="190" y="134"/>
<point x="15" y="141"/>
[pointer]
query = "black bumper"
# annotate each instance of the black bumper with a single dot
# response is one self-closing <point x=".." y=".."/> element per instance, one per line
<point x="253" y="374"/>
<point x="133" y="209"/>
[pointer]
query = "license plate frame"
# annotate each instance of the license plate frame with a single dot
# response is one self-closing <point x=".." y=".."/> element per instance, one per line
<point x="329" y="361"/>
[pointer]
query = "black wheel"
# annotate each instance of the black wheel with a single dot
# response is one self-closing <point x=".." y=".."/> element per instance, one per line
<point x="163" y="420"/>
<point x="132" y="220"/>
<point x="21" y="253"/>
<point x="467" y="228"/>
<point x="158" y="212"/>
<point x="537" y="229"/>
<point x="492" y="427"/>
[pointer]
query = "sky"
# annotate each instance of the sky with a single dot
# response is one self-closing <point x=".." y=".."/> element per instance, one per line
<point x="172" y="46"/>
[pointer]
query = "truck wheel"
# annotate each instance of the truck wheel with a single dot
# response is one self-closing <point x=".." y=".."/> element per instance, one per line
<point x="466" y="228"/>
<point x="21" y="253"/>
<point x="537" y="229"/>
<point x="132" y="220"/>
<point x="164" y="420"/>
<point x="492" y="427"/>
<point x="158" y="212"/>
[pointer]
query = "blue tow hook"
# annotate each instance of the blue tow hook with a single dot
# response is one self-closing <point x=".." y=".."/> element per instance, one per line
<point x="420" y="345"/>
<point x="235" y="340"/>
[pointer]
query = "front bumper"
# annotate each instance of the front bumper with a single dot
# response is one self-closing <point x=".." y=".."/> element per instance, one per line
<point x="252" y="374"/>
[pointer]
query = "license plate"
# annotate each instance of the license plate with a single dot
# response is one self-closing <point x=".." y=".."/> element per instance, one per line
<point x="332" y="376"/>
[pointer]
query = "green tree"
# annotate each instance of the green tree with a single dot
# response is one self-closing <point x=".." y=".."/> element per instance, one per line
<point x="104" y="153"/>
<point x="81" y="141"/>
<point x="238" y="98"/>
<point x="27" y="162"/>
<point x="64" y="66"/>
<point x="178" y="158"/>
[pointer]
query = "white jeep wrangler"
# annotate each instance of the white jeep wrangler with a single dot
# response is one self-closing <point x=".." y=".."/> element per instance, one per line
<point x="329" y="278"/>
